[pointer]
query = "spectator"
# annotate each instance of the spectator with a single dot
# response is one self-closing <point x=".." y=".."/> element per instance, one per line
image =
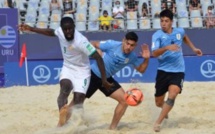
<point x="10" y="3"/>
<point x="131" y="6"/>
<point x="105" y="21"/>
<point x="194" y="5"/>
<point x="118" y="14"/>
<point x="169" y="4"/>
<point x="144" y="10"/>
<point x="69" y="9"/>
<point x="118" y="11"/>
<point x="209" y="18"/>
<point x="55" y="6"/>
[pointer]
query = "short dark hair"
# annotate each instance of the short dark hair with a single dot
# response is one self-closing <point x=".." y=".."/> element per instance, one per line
<point x="117" y="1"/>
<point x="65" y="20"/>
<point x="144" y="5"/>
<point x="131" y="36"/>
<point x="105" y="12"/>
<point x="210" y="7"/>
<point x="166" y="13"/>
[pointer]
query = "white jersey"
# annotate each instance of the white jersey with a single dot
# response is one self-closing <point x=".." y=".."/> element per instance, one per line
<point x="76" y="52"/>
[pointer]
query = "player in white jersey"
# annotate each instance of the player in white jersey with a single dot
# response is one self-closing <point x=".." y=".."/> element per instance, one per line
<point x="167" y="47"/>
<point x="75" y="73"/>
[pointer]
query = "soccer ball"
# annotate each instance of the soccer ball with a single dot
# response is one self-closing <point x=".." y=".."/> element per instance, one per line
<point x="133" y="97"/>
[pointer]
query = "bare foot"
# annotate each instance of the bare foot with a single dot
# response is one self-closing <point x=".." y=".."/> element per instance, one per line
<point x="157" y="127"/>
<point x="63" y="115"/>
<point x="112" y="128"/>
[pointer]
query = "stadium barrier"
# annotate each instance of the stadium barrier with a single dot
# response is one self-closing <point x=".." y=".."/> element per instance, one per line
<point x="47" y="72"/>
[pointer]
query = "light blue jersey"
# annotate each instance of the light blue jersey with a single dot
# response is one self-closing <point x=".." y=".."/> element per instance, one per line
<point x="114" y="58"/>
<point x="169" y="61"/>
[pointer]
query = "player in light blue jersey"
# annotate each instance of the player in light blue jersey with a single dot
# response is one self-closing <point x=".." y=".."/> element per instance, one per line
<point x="167" y="47"/>
<point x="117" y="55"/>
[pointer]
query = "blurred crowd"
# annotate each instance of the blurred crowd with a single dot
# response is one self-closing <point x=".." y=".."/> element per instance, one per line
<point x="108" y="15"/>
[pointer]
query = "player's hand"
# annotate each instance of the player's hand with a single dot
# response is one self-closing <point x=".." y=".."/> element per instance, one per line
<point x="24" y="27"/>
<point x="197" y="51"/>
<point x="173" y="47"/>
<point x="106" y="84"/>
<point x="145" y="51"/>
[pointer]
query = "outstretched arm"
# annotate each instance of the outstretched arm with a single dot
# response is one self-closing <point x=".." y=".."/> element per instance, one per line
<point x="146" y="55"/>
<point x="188" y="42"/>
<point x="25" y="27"/>
<point x="101" y="67"/>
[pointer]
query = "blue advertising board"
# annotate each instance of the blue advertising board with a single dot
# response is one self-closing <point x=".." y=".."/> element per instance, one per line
<point x="8" y="36"/>
<point x="1" y="79"/>
<point x="41" y="47"/>
<point x="47" y="72"/>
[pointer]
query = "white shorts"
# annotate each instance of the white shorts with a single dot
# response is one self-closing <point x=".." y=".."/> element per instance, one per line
<point x="80" y="82"/>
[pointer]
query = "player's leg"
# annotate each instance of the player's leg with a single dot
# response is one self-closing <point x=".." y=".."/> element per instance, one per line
<point x="81" y="85"/>
<point x="65" y="89"/>
<point x="167" y="106"/>
<point x="161" y="86"/>
<point x="159" y="100"/>
<point x="78" y="99"/>
<point x="77" y="103"/>
<point x="120" y="109"/>
<point x="175" y="87"/>
<point x="116" y="92"/>
<point x="95" y="84"/>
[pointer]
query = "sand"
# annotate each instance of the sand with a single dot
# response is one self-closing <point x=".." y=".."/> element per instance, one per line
<point x="32" y="110"/>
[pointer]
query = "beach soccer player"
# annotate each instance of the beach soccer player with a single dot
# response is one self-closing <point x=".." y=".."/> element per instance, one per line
<point x="117" y="55"/>
<point x="75" y="73"/>
<point x="167" y="48"/>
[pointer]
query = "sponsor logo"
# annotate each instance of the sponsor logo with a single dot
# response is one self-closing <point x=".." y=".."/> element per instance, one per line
<point x="128" y="72"/>
<point x="207" y="68"/>
<point x="41" y="73"/>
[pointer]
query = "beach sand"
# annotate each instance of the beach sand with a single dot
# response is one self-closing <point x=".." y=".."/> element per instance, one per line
<point x="33" y="110"/>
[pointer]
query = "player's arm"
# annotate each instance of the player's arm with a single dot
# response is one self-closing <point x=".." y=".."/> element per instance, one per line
<point x="146" y="55"/>
<point x="25" y="27"/>
<point x="157" y="50"/>
<point x="96" y="45"/>
<point x="101" y="67"/>
<point x="160" y="51"/>
<point x="189" y="43"/>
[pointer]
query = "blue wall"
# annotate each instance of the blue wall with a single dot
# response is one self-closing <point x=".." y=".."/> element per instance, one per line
<point x="46" y="49"/>
<point x="9" y="37"/>
<point x="43" y="47"/>
<point x="44" y="55"/>
<point x="47" y="72"/>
